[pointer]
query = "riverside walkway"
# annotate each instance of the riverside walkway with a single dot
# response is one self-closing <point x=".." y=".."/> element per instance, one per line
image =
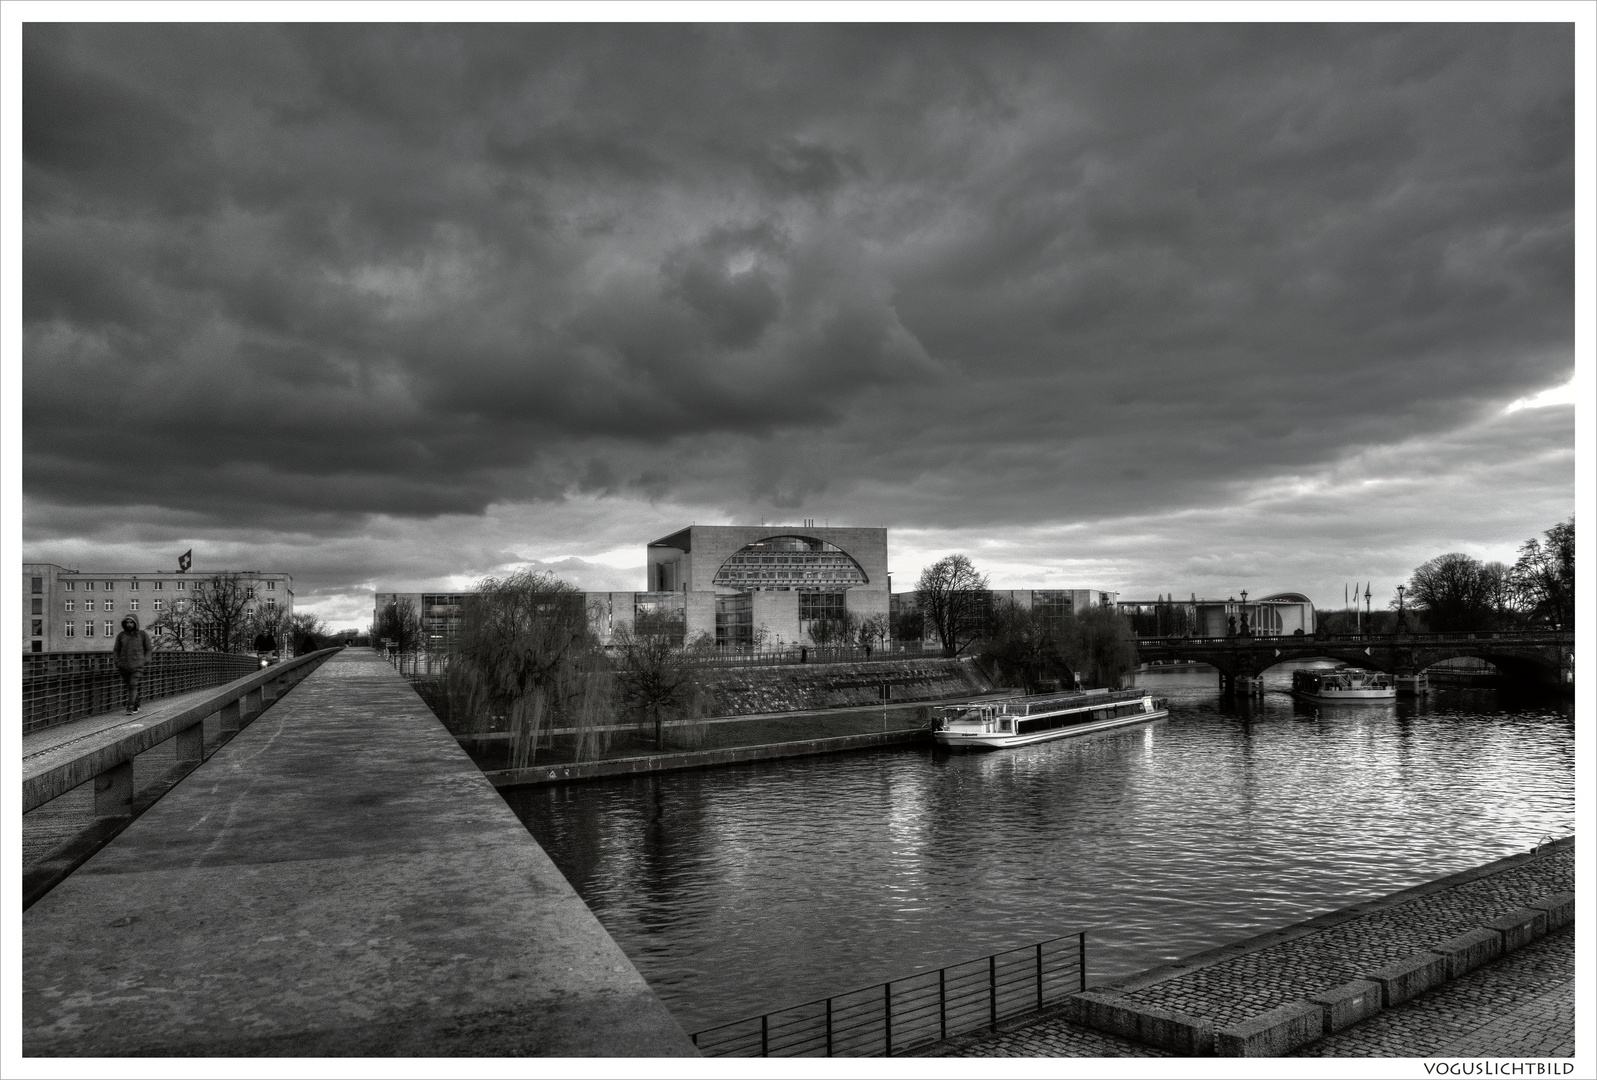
<point x="1519" y="1004"/>
<point x="338" y="879"/>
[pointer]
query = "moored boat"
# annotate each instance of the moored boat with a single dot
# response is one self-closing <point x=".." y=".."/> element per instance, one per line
<point x="1021" y="721"/>
<point x="1343" y="685"/>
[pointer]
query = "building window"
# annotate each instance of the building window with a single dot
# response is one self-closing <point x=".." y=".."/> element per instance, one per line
<point x="109" y="604"/>
<point x="249" y="593"/>
<point x="70" y="604"/>
<point x="38" y="605"/>
<point x="108" y="631"/>
<point x="108" y="585"/>
<point x="38" y="646"/>
<point x="38" y="627"/>
<point x="820" y="605"/>
<point x="271" y="586"/>
<point x="88" y="586"/>
<point x="70" y="628"/>
<point x="134" y="584"/>
<point x="825" y="567"/>
<point x="70" y="585"/>
<point x="271" y="601"/>
<point x="159" y="585"/>
<point x="38" y="585"/>
<point x="133" y="605"/>
<point x="88" y="627"/>
<point x="181" y="585"/>
<point x="159" y="603"/>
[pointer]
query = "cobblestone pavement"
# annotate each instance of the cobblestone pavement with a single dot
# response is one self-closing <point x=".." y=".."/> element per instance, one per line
<point x="1520" y="1006"/>
<point x="1234" y="990"/>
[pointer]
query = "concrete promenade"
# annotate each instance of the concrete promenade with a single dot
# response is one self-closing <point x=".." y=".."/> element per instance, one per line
<point x="339" y="879"/>
<point x="1519" y="1004"/>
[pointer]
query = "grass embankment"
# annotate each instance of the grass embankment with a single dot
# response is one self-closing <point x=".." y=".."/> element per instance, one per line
<point x="755" y="731"/>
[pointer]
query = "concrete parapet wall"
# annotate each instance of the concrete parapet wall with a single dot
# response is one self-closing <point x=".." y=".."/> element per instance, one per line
<point x="738" y="691"/>
<point x="1560" y="909"/>
<point x="1466" y="952"/>
<point x="1520" y="927"/>
<point x="1345" y="1005"/>
<point x="1409" y="977"/>
<point x="1167" y="1029"/>
<point x="1273" y="1033"/>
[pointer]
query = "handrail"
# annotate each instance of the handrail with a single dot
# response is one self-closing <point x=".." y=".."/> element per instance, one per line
<point x="883" y="1019"/>
<point x="1325" y="638"/>
<point x="48" y="783"/>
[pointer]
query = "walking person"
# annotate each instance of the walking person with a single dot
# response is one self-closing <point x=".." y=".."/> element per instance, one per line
<point x="131" y="651"/>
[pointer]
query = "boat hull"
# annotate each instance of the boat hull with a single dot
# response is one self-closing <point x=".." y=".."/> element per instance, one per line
<point x="1345" y="696"/>
<point x="956" y="740"/>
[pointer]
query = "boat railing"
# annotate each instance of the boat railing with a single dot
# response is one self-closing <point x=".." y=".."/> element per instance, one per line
<point x="900" y="1015"/>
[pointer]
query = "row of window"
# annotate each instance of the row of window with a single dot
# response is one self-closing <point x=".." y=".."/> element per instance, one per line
<point x="88" y="628"/>
<point x="133" y="605"/>
<point x="180" y="586"/>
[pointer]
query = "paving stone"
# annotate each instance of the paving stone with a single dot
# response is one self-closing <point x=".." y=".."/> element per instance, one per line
<point x="1519" y="1005"/>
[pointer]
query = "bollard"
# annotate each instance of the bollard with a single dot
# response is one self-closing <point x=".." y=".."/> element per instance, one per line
<point x="113" y="792"/>
<point x="229" y="717"/>
<point x="190" y="743"/>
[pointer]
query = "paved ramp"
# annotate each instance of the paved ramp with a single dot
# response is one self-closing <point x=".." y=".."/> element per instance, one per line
<point x="337" y="880"/>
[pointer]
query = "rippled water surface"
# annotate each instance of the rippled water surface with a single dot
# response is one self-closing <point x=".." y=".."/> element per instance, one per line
<point x="745" y="888"/>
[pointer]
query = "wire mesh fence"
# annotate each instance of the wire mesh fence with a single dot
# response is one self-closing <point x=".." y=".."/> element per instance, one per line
<point x="60" y="687"/>
<point x="905" y="1014"/>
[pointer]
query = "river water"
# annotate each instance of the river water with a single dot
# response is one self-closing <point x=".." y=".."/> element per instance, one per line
<point x="742" y="889"/>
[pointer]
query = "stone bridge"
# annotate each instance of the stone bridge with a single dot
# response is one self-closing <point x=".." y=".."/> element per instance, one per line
<point x="1537" y="657"/>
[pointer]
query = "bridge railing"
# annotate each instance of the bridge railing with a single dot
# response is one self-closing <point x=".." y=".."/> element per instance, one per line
<point x="108" y="762"/>
<point x="58" y="687"/>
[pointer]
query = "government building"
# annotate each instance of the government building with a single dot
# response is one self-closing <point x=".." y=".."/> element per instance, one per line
<point x="749" y="586"/>
<point x="82" y="611"/>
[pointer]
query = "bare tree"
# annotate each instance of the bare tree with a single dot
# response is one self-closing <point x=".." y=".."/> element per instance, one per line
<point x="839" y="630"/>
<point x="220" y="616"/>
<point x="399" y="623"/>
<point x="874" y="630"/>
<point x="661" y="677"/>
<point x="953" y="597"/>
<point x="1544" y="576"/>
<point x="173" y="629"/>
<point x="302" y="628"/>
<point x="1454" y="592"/>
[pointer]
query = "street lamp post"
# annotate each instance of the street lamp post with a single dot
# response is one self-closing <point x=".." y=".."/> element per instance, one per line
<point x="1402" y="621"/>
<point x="1367" y="605"/>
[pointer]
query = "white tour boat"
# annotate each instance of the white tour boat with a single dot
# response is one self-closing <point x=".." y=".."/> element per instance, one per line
<point x="989" y="725"/>
<point x="1344" y="684"/>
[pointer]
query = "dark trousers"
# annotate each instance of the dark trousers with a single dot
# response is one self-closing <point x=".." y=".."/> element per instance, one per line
<point x="130" y="679"/>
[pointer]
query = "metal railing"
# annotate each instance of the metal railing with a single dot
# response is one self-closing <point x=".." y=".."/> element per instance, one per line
<point x="1323" y="637"/>
<point x="58" y="687"/>
<point x="905" y="1014"/>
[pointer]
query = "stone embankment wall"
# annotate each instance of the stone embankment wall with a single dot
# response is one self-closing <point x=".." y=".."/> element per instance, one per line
<point x="739" y="691"/>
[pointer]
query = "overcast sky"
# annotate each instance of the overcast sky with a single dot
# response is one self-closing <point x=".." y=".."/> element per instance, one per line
<point x="1157" y="309"/>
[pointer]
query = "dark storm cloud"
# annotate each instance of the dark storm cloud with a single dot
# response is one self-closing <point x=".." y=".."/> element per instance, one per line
<point x="293" y="276"/>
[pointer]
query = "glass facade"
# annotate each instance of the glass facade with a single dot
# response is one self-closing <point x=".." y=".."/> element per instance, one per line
<point x="785" y="563"/>
<point x="734" y="621"/>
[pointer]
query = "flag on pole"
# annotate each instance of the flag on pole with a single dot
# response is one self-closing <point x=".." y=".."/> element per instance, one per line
<point x="185" y="560"/>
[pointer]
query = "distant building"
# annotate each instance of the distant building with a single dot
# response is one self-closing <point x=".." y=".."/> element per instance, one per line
<point x="77" y="611"/>
<point x="1276" y="615"/>
<point x="1055" y="605"/>
<point x="741" y="584"/>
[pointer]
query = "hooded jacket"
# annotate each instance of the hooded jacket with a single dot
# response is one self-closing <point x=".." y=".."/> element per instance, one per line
<point x="132" y="647"/>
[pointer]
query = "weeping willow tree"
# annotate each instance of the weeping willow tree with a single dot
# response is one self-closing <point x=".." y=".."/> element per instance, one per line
<point x="525" y="652"/>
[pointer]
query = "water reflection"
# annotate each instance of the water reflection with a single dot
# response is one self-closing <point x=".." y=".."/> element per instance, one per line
<point x="750" y="887"/>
